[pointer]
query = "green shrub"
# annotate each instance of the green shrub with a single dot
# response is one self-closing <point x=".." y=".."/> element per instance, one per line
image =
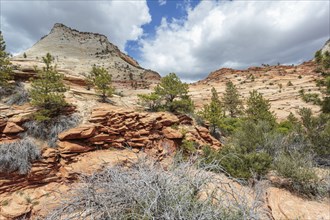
<point x="299" y="169"/>
<point x="239" y="164"/>
<point x="311" y="98"/>
<point x="188" y="147"/>
<point x="289" y="83"/>
<point x="251" y="135"/>
<point x="150" y="101"/>
<point x="228" y="126"/>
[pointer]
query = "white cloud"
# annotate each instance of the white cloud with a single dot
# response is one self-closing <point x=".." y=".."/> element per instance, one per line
<point x="162" y="2"/>
<point x="24" y="22"/>
<point x="237" y="34"/>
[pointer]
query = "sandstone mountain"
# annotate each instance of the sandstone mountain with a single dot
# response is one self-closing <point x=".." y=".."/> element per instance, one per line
<point x="76" y="52"/>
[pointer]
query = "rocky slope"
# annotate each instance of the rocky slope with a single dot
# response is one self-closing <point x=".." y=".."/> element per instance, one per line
<point x="76" y="52"/>
<point x="111" y="135"/>
<point x="280" y="84"/>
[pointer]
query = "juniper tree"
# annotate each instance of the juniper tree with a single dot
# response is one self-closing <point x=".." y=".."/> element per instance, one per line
<point x="231" y="100"/>
<point x="5" y="65"/>
<point x="101" y="80"/>
<point x="47" y="91"/>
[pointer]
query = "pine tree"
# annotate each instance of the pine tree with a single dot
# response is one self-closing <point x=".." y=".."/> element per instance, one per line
<point x="213" y="112"/>
<point x="101" y="80"/>
<point x="47" y="91"/>
<point x="174" y="93"/>
<point x="258" y="108"/>
<point x="231" y="100"/>
<point x="5" y="65"/>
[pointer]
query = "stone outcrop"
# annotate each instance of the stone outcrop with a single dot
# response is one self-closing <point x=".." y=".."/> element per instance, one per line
<point x="156" y="134"/>
<point x="149" y="132"/>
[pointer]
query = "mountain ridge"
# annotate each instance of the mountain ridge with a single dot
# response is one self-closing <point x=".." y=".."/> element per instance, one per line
<point x="76" y="52"/>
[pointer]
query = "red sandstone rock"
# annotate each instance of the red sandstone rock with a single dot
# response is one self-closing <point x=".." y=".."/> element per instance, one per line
<point x="171" y="133"/>
<point x="81" y="132"/>
<point x="12" y="128"/>
<point x="68" y="147"/>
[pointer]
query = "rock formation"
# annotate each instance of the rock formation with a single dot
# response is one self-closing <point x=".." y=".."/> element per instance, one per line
<point x="76" y="52"/>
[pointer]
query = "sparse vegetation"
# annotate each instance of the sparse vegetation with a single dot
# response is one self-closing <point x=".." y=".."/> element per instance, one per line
<point x="259" y="144"/>
<point x="147" y="191"/>
<point x="18" y="156"/>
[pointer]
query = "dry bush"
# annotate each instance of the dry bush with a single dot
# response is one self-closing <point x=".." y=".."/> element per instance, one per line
<point x="148" y="191"/>
<point x="49" y="130"/>
<point x="18" y="156"/>
<point x="19" y="95"/>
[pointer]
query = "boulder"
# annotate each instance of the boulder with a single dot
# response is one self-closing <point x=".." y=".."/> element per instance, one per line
<point x="81" y="132"/>
<point x="171" y="133"/>
<point x="14" y="210"/>
<point x="68" y="147"/>
<point x="12" y="128"/>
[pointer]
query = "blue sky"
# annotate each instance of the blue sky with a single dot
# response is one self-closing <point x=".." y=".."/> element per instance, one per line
<point x="169" y="9"/>
<point x="190" y="38"/>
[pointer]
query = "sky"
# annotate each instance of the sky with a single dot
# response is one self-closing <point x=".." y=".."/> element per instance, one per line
<point x="188" y="37"/>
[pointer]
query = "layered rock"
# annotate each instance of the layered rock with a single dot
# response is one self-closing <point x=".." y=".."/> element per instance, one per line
<point x="150" y="132"/>
<point x="157" y="134"/>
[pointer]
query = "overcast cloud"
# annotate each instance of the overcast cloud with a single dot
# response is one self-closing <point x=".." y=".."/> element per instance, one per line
<point x="237" y="34"/>
<point x="24" y="22"/>
<point x="211" y="35"/>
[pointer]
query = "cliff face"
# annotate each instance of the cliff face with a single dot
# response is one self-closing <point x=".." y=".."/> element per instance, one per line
<point x="76" y="52"/>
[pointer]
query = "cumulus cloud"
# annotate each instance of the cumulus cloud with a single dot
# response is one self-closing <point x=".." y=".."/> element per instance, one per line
<point x="24" y="22"/>
<point x="237" y="34"/>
